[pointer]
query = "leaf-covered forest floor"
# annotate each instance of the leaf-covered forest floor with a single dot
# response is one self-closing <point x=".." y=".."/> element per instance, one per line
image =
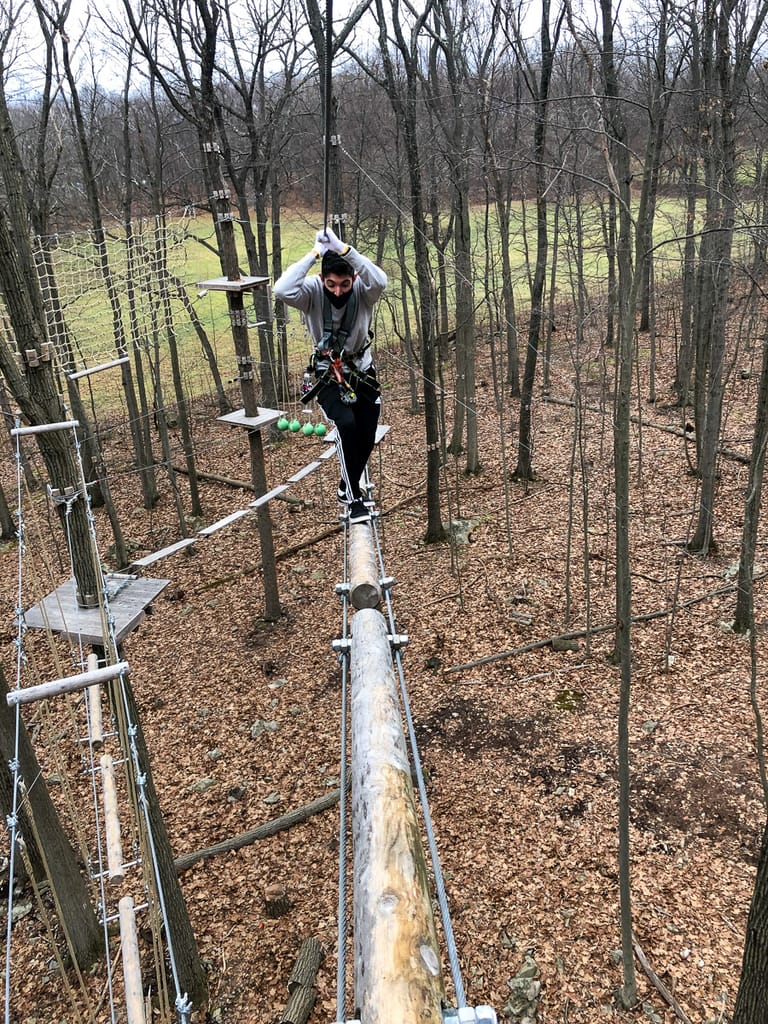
<point x="520" y="752"/>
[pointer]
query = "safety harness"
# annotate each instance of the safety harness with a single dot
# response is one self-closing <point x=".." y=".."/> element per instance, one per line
<point x="341" y="368"/>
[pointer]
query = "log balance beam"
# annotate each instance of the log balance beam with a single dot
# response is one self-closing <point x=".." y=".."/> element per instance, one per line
<point x="397" y="964"/>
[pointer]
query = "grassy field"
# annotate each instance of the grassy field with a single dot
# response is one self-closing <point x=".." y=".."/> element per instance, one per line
<point x="190" y="252"/>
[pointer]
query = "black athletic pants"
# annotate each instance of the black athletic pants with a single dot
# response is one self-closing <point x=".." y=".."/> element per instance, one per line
<point x="356" y="431"/>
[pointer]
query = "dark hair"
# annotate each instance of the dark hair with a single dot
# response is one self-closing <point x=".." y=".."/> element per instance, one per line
<point x="335" y="264"/>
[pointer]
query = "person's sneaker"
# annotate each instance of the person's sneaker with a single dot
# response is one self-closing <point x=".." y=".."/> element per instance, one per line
<point x="358" y="513"/>
<point x="341" y="493"/>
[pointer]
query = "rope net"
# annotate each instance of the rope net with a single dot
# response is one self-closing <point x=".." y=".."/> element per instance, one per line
<point x="90" y="286"/>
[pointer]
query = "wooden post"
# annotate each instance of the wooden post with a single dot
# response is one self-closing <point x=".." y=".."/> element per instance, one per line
<point x="134" y="1002"/>
<point x="28" y="694"/>
<point x="364" y="588"/>
<point x="93" y="696"/>
<point x="397" y="966"/>
<point x="112" y="822"/>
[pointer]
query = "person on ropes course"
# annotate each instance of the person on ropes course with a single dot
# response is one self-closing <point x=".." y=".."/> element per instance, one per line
<point x="337" y="306"/>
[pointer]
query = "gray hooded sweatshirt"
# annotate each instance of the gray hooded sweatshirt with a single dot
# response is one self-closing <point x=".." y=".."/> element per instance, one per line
<point x="306" y="294"/>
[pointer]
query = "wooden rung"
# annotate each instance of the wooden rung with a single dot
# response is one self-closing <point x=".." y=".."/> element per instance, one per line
<point x="310" y="468"/>
<point x="268" y="496"/>
<point x="96" y="369"/>
<point x="214" y="527"/>
<point x="45" y="428"/>
<point x="112" y="822"/>
<point x="134" y="1001"/>
<point x="165" y="552"/>
<point x="95" y="722"/>
<point x="382" y="430"/>
<point x="66" y="685"/>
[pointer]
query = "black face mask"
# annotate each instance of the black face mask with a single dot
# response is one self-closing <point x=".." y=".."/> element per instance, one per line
<point x="338" y="301"/>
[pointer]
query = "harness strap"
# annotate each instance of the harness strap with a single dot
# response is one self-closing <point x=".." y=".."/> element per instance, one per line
<point x="338" y="337"/>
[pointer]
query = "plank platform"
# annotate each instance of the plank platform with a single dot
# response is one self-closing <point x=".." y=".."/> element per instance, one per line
<point x="268" y="496"/>
<point x="224" y="284"/>
<point x="382" y="430"/>
<point x="127" y="601"/>
<point x="142" y="563"/>
<point x="265" y="418"/>
<point x="220" y="523"/>
<point x="309" y="468"/>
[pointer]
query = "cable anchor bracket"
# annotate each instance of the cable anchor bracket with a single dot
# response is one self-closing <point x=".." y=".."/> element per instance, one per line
<point x="470" y="1015"/>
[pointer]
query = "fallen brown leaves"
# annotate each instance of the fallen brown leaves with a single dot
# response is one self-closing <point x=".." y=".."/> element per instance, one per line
<point x="520" y="753"/>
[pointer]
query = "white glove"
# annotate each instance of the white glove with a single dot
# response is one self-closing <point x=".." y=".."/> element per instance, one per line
<point x="332" y="243"/>
<point x="321" y="246"/>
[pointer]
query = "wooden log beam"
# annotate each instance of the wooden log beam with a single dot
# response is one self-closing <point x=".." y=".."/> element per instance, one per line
<point x="112" y="822"/>
<point x="397" y="965"/>
<point x="28" y="694"/>
<point x="364" y="587"/>
<point x="95" y="719"/>
<point x="134" y="1001"/>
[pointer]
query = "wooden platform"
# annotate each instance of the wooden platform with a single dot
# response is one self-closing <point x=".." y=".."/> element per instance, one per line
<point x="265" y="418"/>
<point x="224" y="284"/>
<point x="128" y="598"/>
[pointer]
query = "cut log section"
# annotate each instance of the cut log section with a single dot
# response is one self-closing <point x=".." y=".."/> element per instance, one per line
<point x="112" y="822"/>
<point x="93" y="696"/>
<point x="301" y="984"/>
<point x="364" y="587"/>
<point x="134" y="1002"/>
<point x="397" y="965"/>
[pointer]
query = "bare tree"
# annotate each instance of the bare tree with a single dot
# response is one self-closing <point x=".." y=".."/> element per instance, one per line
<point x="538" y="78"/>
<point x="448" y="88"/>
<point x="54" y="19"/>
<point x="729" y="40"/>
<point x="401" y="81"/>
<point x="35" y="388"/>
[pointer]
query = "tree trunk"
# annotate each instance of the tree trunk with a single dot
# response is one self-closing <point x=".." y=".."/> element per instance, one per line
<point x="53" y="857"/>
<point x="191" y="973"/>
<point x="540" y="89"/>
<point x="7" y="525"/>
<point x="90" y="184"/>
<point x="404" y="106"/>
<point x="743" y="618"/>
<point x="36" y="391"/>
<point x="620" y="176"/>
<point x="752" y="996"/>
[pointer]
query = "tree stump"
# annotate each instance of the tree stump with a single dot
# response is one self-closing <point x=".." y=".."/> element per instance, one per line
<point x="276" y="902"/>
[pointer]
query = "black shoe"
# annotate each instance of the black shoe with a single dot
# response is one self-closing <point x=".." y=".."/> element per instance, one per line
<point x="341" y="493"/>
<point x="358" y="513"/>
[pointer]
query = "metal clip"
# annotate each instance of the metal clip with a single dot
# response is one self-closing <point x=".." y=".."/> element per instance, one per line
<point x="211" y="147"/>
<point x="470" y="1015"/>
<point x="238" y="317"/>
<point x="397" y="640"/>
